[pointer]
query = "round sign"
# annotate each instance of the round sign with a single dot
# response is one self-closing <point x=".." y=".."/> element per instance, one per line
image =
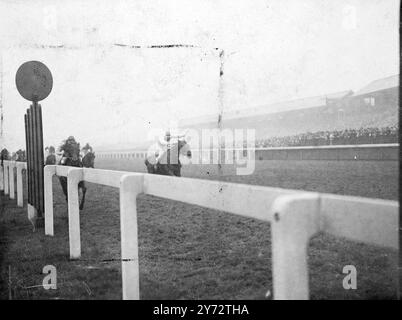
<point x="34" y="81"/>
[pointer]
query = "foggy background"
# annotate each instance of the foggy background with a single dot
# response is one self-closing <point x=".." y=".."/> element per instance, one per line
<point x="110" y="87"/>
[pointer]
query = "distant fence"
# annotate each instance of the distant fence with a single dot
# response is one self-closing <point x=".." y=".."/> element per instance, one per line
<point x="140" y="154"/>
<point x="295" y="217"/>
<point x="369" y="152"/>
<point x="372" y="152"/>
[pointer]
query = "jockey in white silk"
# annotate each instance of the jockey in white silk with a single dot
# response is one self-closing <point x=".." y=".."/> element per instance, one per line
<point x="160" y="147"/>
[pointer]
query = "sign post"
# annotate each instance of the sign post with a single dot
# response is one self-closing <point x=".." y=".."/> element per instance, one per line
<point x="34" y="82"/>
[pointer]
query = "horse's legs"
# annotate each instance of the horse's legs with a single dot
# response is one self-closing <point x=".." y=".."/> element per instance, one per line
<point x="170" y="170"/>
<point x="177" y="172"/>
<point x="173" y="170"/>
<point x="63" y="182"/>
<point x="84" y="191"/>
<point x="81" y="186"/>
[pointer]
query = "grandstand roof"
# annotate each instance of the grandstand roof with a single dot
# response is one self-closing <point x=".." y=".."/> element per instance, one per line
<point x="284" y="106"/>
<point x="378" y="85"/>
<point x="339" y="95"/>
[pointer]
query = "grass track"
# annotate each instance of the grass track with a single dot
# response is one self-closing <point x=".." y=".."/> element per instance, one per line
<point x="188" y="252"/>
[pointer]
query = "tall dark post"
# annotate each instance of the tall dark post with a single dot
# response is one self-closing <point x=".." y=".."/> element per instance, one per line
<point x="36" y="154"/>
<point x="33" y="157"/>
<point x="30" y="156"/>
<point x="27" y="155"/>
<point x="34" y="82"/>
<point x="41" y="160"/>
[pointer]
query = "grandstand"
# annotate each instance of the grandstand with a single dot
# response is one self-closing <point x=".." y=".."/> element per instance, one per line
<point x="373" y="106"/>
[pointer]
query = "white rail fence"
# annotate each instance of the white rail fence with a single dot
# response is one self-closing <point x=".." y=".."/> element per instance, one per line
<point x="7" y="180"/>
<point x="295" y="217"/>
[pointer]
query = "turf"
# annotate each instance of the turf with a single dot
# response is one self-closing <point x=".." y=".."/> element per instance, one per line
<point x="189" y="252"/>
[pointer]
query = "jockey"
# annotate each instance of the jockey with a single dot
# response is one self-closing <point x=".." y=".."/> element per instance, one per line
<point x="71" y="150"/>
<point x="170" y="139"/>
<point x="89" y="156"/>
<point x="156" y="150"/>
<point x="4" y="155"/>
<point x="20" y="155"/>
<point x="166" y="138"/>
<point x="86" y="149"/>
<point x="71" y="157"/>
<point x="169" y="142"/>
<point x="163" y="157"/>
<point x="51" y="158"/>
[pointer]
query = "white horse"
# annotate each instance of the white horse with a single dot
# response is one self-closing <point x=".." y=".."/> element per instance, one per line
<point x="166" y="156"/>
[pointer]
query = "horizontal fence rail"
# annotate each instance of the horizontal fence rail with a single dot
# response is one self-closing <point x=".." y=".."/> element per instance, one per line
<point x="295" y="216"/>
<point x="386" y="151"/>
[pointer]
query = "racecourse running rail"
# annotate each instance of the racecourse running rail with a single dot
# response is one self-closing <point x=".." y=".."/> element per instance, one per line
<point x="384" y="152"/>
<point x="7" y="179"/>
<point x="295" y="217"/>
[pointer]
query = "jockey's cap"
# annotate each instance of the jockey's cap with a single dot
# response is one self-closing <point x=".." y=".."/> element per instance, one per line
<point x="87" y="147"/>
<point x="170" y="137"/>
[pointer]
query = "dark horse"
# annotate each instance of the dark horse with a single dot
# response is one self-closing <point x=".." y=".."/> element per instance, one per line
<point x="88" y="162"/>
<point x="167" y="159"/>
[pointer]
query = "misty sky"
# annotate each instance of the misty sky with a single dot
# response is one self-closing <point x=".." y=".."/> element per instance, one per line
<point x="110" y="95"/>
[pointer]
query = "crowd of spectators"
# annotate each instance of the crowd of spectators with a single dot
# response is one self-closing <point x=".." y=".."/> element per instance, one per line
<point x="368" y="135"/>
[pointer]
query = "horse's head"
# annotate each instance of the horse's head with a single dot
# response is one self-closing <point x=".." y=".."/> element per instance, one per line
<point x="184" y="148"/>
<point x="71" y="159"/>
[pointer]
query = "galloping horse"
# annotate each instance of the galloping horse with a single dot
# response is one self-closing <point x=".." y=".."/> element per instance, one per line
<point x="165" y="159"/>
<point x="73" y="161"/>
<point x="88" y="161"/>
<point x="71" y="157"/>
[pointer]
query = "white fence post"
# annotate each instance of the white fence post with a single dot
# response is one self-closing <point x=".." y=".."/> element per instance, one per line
<point x="49" y="171"/>
<point x="130" y="186"/>
<point x="74" y="176"/>
<point x="296" y="220"/>
<point x="11" y="166"/>
<point x="6" y="185"/>
<point x="20" y="188"/>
